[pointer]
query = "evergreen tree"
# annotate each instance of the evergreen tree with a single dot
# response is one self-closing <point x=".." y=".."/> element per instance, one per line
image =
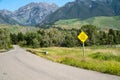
<point x="20" y="37"/>
<point x="14" y="38"/>
<point x="91" y="31"/>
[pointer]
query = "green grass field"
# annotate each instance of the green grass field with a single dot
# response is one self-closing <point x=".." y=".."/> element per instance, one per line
<point x="17" y="28"/>
<point x="99" y="22"/>
<point x="101" y="59"/>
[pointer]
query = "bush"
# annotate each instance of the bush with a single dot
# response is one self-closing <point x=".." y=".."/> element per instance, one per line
<point x="35" y="43"/>
<point x="22" y="43"/>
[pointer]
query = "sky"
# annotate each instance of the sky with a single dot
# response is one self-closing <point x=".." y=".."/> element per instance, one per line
<point x="13" y="5"/>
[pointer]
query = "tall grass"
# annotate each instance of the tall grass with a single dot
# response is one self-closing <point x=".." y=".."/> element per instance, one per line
<point x="105" y="56"/>
<point x="98" y="59"/>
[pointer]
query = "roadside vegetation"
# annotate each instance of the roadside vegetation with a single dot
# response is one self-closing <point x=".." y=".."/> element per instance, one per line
<point x="102" y="59"/>
<point x="5" y="42"/>
<point x="5" y="34"/>
<point x="63" y="45"/>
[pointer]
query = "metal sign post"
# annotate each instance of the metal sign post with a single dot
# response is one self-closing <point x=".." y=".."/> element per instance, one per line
<point x="83" y="37"/>
<point x="83" y="50"/>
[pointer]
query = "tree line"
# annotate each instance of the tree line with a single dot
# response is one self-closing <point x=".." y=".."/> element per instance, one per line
<point x="59" y="37"/>
<point x="66" y="37"/>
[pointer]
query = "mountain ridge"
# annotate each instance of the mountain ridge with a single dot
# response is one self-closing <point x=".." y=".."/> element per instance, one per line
<point x="41" y="13"/>
<point x="5" y="18"/>
<point x="30" y="14"/>
<point x="84" y="9"/>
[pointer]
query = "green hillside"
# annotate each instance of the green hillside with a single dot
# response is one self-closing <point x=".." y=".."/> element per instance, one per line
<point x="17" y="28"/>
<point x="100" y="22"/>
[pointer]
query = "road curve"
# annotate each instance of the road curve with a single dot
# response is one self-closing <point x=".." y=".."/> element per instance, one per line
<point x="18" y="64"/>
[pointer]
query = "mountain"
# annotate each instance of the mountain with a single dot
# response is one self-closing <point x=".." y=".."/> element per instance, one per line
<point x="84" y="9"/>
<point x="5" y="17"/>
<point x="34" y="13"/>
<point x="41" y="13"/>
<point x="30" y="14"/>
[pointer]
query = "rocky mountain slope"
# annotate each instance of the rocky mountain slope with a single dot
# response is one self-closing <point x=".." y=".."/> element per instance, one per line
<point x="5" y="18"/>
<point x="30" y="14"/>
<point x="33" y="13"/>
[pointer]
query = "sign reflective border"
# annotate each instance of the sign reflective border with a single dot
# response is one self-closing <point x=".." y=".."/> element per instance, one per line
<point x="83" y="36"/>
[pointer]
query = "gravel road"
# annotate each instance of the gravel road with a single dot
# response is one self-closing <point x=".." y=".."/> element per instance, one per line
<point x="17" y="64"/>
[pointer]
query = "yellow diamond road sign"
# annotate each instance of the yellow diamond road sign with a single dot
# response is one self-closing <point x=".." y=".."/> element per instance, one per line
<point x="83" y="36"/>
